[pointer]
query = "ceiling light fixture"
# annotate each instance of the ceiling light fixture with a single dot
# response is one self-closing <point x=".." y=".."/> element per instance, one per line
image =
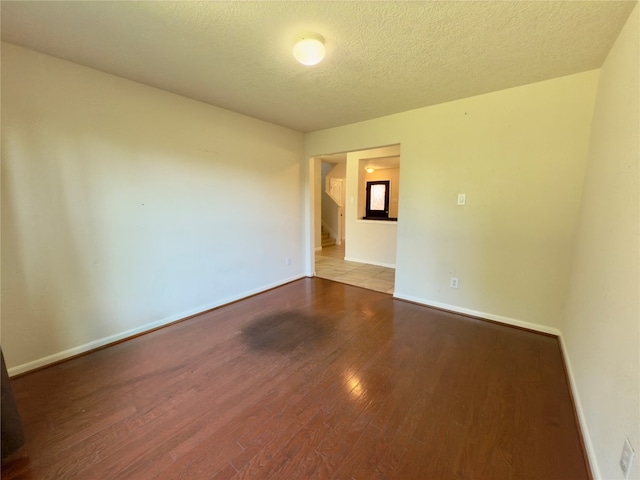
<point x="369" y="169"/>
<point x="309" y="49"/>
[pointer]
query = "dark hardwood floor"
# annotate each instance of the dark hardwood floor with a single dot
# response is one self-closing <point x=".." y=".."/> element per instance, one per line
<point x="314" y="379"/>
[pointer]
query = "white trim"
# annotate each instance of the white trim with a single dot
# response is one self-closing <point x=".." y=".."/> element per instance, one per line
<point x="591" y="453"/>
<point x="368" y="262"/>
<point x="489" y="316"/>
<point x="56" y="357"/>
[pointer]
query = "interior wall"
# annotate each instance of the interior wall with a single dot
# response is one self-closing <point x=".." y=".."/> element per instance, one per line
<point x="601" y="330"/>
<point x="330" y="210"/>
<point x="519" y="156"/>
<point x="317" y="188"/>
<point x="331" y="217"/>
<point x="325" y="168"/>
<point x="339" y="171"/>
<point x="368" y="241"/>
<point x="125" y="207"/>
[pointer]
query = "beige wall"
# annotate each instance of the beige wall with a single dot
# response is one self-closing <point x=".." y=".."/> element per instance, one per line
<point x="368" y="241"/>
<point x="519" y="156"/>
<point x="124" y="207"/>
<point x="317" y="188"/>
<point x="332" y="213"/>
<point x="601" y="330"/>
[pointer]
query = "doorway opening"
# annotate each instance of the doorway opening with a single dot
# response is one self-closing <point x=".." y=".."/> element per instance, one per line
<point x="355" y="217"/>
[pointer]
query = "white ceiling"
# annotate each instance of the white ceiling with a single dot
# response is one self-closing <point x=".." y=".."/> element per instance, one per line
<point x="382" y="57"/>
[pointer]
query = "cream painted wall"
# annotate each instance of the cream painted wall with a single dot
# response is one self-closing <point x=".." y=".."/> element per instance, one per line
<point x="330" y="211"/>
<point x="124" y="207"/>
<point x="316" y="187"/>
<point x="331" y="217"/>
<point x="519" y="156"/>
<point x="601" y="330"/>
<point x="339" y="171"/>
<point x="368" y="241"/>
<point x="325" y="168"/>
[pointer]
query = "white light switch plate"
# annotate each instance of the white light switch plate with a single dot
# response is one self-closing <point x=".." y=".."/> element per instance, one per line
<point x="462" y="198"/>
<point x="626" y="459"/>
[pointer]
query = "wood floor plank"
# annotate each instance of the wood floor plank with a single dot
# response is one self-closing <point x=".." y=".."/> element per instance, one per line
<point x="315" y="379"/>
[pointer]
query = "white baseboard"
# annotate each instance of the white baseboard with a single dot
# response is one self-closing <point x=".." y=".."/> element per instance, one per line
<point x="56" y="357"/>
<point x="41" y="362"/>
<point x="595" y="470"/>
<point x="379" y="264"/>
<point x="591" y="454"/>
<point x="476" y="313"/>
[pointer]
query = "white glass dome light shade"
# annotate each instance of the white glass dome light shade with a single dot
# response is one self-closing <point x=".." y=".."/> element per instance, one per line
<point x="309" y="49"/>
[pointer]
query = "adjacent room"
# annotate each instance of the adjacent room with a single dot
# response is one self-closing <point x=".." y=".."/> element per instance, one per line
<point x="367" y="257"/>
<point x="411" y="251"/>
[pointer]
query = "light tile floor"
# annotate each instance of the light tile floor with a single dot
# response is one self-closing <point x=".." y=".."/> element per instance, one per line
<point x="330" y="264"/>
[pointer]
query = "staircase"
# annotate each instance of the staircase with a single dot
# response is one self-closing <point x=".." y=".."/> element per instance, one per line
<point x="327" y="241"/>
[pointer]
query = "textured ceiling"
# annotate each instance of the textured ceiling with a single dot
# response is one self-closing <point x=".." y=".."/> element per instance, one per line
<point x="382" y="57"/>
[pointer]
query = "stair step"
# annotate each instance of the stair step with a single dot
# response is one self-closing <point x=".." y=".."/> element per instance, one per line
<point x="326" y="240"/>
